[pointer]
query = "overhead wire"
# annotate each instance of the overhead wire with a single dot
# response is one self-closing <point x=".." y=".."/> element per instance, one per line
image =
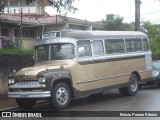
<point x="154" y="2"/>
<point x="143" y="14"/>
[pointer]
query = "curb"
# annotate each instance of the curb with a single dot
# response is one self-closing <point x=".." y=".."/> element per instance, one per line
<point x="9" y="108"/>
<point x="16" y="107"/>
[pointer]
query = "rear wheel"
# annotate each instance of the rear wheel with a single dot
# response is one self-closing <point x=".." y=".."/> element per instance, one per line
<point x="132" y="87"/>
<point x="25" y="103"/>
<point x="61" y="95"/>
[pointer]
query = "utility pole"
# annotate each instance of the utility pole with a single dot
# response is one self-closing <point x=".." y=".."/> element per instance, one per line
<point x="21" y="25"/>
<point x="137" y="15"/>
<point x="21" y="28"/>
<point x="56" y="23"/>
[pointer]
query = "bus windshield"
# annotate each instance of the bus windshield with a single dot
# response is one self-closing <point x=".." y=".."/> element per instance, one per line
<point x="62" y="51"/>
<point x="58" y="51"/>
<point x="42" y="53"/>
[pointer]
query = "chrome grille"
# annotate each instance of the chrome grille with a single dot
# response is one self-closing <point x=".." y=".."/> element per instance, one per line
<point x="27" y="83"/>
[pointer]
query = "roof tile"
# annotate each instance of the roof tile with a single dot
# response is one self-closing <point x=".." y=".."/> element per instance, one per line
<point x="32" y="20"/>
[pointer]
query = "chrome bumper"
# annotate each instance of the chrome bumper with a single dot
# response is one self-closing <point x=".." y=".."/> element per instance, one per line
<point x="45" y="94"/>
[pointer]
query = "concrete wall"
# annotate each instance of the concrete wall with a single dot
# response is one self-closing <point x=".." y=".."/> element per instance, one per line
<point x="28" y="43"/>
<point x="8" y="63"/>
<point x="3" y="84"/>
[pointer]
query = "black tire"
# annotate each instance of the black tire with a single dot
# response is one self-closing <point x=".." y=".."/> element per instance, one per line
<point x="132" y="87"/>
<point x="25" y="103"/>
<point x="60" y="96"/>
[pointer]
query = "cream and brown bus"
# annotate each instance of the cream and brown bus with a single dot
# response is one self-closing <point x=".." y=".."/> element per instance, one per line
<point x="72" y="63"/>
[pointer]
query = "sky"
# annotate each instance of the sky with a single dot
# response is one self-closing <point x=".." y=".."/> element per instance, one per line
<point x="96" y="10"/>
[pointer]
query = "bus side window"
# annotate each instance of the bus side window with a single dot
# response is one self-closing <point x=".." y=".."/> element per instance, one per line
<point x="84" y="48"/>
<point x="114" y="46"/>
<point x="98" y="48"/>
<point x="145" y="44"/>
<point x="134" y="45"/>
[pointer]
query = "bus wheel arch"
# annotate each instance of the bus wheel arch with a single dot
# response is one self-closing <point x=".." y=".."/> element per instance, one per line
<point x="132" y="87"/>
<point x="61" y="93"/>
<point x="139" y="78"/>
<point x="137" y="74"/>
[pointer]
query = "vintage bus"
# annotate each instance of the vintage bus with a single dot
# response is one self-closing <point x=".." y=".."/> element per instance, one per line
<point x="72" y="63"/>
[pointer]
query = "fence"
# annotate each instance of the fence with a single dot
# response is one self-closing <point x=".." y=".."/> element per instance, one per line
<point x="8" y="63"/>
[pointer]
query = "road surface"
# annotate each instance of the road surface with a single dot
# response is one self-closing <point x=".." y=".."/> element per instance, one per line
<point x="147" y="99"/>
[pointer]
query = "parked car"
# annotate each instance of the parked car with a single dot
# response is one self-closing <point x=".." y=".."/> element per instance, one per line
<point x="155" y="80"/>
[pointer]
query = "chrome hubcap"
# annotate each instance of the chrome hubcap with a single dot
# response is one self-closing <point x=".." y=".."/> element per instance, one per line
<point x="133" y="84"/>
<point x="62" y="96"/>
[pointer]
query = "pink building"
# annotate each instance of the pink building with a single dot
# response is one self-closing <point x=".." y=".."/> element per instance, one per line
<point x="34" y="20"/>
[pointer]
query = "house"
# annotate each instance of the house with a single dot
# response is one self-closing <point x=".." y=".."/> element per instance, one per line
<point x="21" y="24"/>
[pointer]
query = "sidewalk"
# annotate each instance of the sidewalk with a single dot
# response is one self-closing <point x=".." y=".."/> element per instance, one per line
<point x="6" y="102"/>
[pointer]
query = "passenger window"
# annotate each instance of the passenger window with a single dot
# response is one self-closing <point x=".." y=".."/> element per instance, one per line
<point x="98" y="48"/>
<point x="145" y="44"/>
<point x="114" y="46"/>
<point x="133" y="45"/>
<point x="84" y="48"/>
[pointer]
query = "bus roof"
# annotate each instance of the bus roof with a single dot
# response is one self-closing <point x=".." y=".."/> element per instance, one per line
<point x="72" y="36"/>
<point x="79" y="34"/>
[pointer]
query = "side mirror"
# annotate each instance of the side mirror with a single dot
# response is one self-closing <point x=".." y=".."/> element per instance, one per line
<point x="81" y="50"/>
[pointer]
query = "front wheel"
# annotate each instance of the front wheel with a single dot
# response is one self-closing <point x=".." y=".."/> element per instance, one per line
<point x="61" y="95"/>
<point x="132" y="87"/>
<point x="25" y="103"/>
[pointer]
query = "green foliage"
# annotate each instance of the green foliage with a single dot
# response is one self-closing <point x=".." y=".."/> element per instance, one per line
<point x="155" y="47"/>
<point x="2" y="6"/>
<point x="117" y="25"/>
<point x="65" y="5"/>
<point x="150" y="29"/>
<point x="154" y="38"/>
<point x="16" y="51"/>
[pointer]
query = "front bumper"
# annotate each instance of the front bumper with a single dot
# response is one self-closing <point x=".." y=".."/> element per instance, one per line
<point x="45" y="94"/>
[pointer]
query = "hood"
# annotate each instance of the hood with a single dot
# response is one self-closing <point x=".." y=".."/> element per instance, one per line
<point x="30" y="73"/>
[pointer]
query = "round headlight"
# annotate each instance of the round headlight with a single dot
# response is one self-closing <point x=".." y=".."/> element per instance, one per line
<point x="41" y="79"/>
<point x="11" y="81"/>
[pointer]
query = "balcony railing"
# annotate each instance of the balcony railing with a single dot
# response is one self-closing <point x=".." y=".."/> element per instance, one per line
<point x="6" y="44"/>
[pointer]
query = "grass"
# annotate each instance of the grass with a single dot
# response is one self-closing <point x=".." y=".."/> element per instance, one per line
<point x="17" y="52"/>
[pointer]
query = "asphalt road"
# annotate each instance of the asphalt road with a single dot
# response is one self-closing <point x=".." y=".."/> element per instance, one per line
<point x="147" y="99"/>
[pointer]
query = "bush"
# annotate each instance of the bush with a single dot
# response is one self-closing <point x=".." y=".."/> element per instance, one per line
<point x="17" y="51"/>
<point x="155" y="47"/>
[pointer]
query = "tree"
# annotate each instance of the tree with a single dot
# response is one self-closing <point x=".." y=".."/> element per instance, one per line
<point x="1" y="6"/>
<point x="154" y="38"/>
<point x="65" y="5"/>
<point x="116" y="24"/>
